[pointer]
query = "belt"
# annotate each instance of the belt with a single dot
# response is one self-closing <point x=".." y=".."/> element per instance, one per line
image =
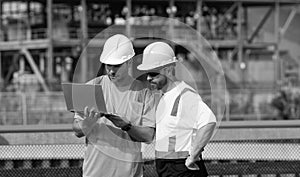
<point x="171" y="155"/>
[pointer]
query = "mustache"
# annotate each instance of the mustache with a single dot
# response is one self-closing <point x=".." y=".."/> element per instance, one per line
<point x="112" y="74"/>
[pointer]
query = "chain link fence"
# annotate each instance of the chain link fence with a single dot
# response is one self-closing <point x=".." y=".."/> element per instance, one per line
<point x="57" y="155"/>
<point x="237" y="158"/>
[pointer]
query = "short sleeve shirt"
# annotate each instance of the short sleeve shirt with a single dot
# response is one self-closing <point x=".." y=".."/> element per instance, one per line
<point x="109" y="144"/>
<point x="175" y="132"/>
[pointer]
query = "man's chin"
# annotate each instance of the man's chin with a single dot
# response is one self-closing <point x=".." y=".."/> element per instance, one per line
<point x="153" y="86"/>
<point x="113" y="78"/>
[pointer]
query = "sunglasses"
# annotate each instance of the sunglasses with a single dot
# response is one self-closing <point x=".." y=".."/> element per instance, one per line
<point x="116" y="66"/>
<point x="153" y="74"/>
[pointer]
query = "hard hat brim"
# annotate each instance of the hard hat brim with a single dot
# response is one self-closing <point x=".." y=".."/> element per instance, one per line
<point x="145" y="67"/>
<point x="114" y="61"/>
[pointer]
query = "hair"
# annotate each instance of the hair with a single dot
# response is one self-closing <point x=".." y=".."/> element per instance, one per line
<point x="101" y="70"/>
<point x="171" y="67"/>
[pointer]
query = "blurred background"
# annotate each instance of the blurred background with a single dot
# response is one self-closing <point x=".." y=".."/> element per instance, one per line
<point x="257" y="43"/>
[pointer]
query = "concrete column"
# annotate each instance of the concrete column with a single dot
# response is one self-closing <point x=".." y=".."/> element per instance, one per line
<point x="128" y="16"/>
<point x="50" y="38"/>
<point x="171" y="16"/>
<point x="1" y="76"/>
<point x="28" y="26"/>
<point x="1" y="39"/>
<point x="1" y="30"/>
<point x="199" y="13"/>
<point x="84" y="29"/>
<point x="240" y="40"/>
<point x="277" y="63"/>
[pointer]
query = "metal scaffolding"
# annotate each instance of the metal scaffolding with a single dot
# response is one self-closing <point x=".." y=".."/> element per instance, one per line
<point x="238" y="46"/>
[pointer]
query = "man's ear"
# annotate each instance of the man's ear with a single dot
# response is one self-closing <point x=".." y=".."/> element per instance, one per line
<point x="170" y="70"/>
<point x="130" y="67"/>
<point x="129" y="62"/>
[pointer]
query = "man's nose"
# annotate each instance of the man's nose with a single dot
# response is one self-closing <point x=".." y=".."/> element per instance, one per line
<point x="149" y="78"/>
<point x="112" y="70"/>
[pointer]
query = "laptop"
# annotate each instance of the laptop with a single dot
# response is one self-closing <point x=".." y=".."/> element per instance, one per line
<point x="78" y="96"/>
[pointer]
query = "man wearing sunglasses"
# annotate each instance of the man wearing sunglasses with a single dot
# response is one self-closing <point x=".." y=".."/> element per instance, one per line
<point x="184" y="123"/>
<point x="114" y="138"/>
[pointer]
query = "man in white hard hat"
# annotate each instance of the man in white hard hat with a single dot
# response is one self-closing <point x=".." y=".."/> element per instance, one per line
<point x="114" y="138"/>
<point x="184" y="123"/>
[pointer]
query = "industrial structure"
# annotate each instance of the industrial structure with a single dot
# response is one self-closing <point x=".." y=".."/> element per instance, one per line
<point x="48" y="35"/>
<point x="46" y="42"/>
<point x="41" y="41"/>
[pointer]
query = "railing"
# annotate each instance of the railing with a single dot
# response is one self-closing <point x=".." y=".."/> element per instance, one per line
<point x="75" y="33"/>
<point x="33" y="108"/>
<point x="39" y="33"/>
<point x="25" y="108"/>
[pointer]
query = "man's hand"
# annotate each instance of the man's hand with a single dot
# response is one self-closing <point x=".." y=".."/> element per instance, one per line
<point x="90" y="117"/>
<point x="116" y="120"/>
<point x="190" y="163"/>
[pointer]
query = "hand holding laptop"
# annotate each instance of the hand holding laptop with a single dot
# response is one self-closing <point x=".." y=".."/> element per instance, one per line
<point x="90" y="117"/>
<point x="80" y="97"/>
<point x="90" y="112"/>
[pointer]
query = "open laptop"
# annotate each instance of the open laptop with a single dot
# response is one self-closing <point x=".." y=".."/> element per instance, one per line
<point x="78" y="96"/>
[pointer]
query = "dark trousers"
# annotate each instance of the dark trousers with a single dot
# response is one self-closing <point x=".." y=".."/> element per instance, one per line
<point x="177" y="168"/>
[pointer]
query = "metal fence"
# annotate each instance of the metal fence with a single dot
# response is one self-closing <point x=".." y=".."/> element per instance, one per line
<point x="256" y="149"/>
<point x="66" y="160"/>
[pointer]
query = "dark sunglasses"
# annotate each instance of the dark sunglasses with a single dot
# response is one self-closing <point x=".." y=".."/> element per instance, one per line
<point x="116" y="66"/>
<point x="153" y="74"/>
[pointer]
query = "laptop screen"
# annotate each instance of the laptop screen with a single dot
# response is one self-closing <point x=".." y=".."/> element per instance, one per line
<point x="78" y="96"/>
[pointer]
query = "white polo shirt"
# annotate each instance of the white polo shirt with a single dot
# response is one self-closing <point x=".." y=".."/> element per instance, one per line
<point x="177" y="121"/>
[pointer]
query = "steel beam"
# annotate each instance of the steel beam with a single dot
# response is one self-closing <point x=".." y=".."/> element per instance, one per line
<point x="29" y="44"/>
<point x="288" y="21"/>
<point x="229" y="11"/>
<point x="35" y="69"/>
<point x="260" y="25"/>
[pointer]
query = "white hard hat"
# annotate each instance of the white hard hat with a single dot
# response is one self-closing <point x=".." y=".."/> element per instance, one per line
<point x="156" y="55"/>
<point x="117" y="50"/>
